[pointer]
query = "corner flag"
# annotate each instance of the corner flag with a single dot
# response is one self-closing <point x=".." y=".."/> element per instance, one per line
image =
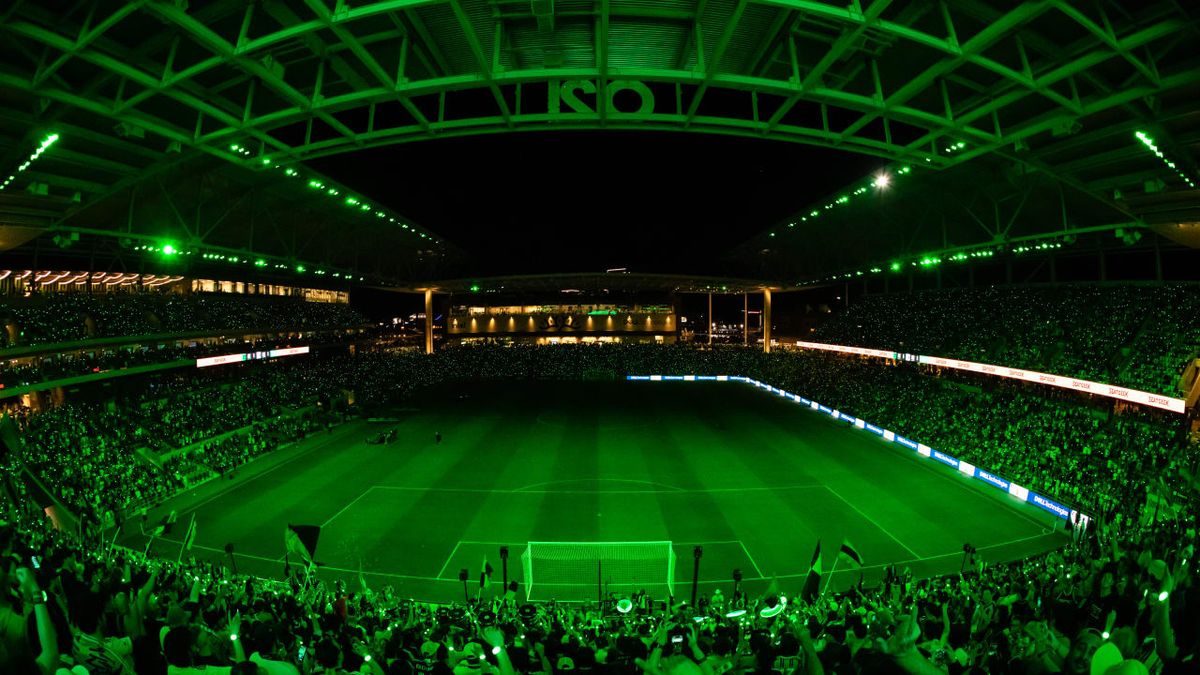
<point x="812" y="583"/>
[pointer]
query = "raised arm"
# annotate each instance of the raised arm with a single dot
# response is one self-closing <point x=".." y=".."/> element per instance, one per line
<point x="47" y="659"/>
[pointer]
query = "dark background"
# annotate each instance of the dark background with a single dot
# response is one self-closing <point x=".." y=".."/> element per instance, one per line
<point x="588" y="201"/>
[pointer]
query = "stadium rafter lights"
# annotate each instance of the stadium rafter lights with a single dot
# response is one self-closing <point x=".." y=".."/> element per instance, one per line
<point x="1149" y="143"/>
<point x="879" y="181"/>
<point x="349" y="201"/>
<point x="48" y="141"/>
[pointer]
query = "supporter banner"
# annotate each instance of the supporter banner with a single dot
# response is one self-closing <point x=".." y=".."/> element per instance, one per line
<point x="861" y="351"/>
<point x="1087" y="386"/>
<point x="249" y="356"/>
<point x="966" y="468"/>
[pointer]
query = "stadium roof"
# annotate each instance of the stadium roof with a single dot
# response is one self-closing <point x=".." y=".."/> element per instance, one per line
<point x="596" y="283"/>
<point x="192" y="123"/>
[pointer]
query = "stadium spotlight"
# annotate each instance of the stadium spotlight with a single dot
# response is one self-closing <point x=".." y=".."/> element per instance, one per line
<point x="882" y="181"/>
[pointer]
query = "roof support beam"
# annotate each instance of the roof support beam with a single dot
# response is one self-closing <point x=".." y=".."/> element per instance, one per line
<point x="985" y="38"/>
<point x="218" y="46"/>
<point x="839" y="48"/>
<point x="85" y="38"/>
<point x="602" y="60"/>
<point x="364" y="56"/>
<point x="990" y="102"/>
<point x="481" y="59"/>
<point x="122" y="67"/>
<point x="1107" y="36"/>
<point x="714" y="61"/>
<point x="344" y="16"/>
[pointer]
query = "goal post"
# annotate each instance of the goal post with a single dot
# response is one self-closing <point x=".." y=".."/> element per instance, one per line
<point x="572" y="570"/>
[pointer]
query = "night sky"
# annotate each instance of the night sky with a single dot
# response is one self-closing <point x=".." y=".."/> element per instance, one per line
<point x="528" y="203"/>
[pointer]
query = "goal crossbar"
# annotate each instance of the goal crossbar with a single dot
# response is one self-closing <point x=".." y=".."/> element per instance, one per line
<point x="571" y="568"/>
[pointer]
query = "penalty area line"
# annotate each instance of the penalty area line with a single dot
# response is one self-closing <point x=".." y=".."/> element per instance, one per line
<point x="347" y="506"/>
<point x="871" y="520"/>
<point x="749" y="557"/>
<point x="442" y="569"/>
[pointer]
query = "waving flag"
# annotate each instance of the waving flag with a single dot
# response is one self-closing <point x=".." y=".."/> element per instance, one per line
<point x="812" y="583"/>
<point x="485" y="574"/>
<point x="850" y="554"/>
<point x="302" y="540"/>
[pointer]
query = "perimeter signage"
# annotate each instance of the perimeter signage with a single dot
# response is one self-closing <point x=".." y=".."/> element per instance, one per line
<point x="1099" y="389"/>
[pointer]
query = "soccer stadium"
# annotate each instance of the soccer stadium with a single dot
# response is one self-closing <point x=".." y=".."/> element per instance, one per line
<point x="676" y="337"/>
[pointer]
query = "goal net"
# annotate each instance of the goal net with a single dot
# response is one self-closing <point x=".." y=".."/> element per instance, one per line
<point x="578" y="570"/>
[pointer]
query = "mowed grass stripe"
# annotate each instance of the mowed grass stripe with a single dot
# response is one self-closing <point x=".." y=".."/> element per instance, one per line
<point x="789" y="435"/>
<point x="432" y="520"/>
<point x="914" y="501"/>
<point x="779" y="527"/>
<point x="622" y="453"/>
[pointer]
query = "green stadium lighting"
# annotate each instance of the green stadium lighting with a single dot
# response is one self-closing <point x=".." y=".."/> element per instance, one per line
<point x="48" y="141"/>
<point x="260" y="263"/>
<point x="1150" y="145"/>
<point x="475" y="288"/>
<point x="300" y="268"/>
<point x="169" y="250"/>
<point x="896" y="266"/>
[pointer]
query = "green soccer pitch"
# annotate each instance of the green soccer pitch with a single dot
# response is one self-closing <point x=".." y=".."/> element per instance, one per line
<point x="753" y="479"/>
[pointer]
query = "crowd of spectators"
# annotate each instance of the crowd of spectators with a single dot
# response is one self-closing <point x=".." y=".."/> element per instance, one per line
<point x="104" y="459"/>
<point x="1118" y="589"/>
<point x="1058" y="443"/>
<point x="1117" y="601"/>
<point x="70" y="317"/>
<point x="1137" y="336"/>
